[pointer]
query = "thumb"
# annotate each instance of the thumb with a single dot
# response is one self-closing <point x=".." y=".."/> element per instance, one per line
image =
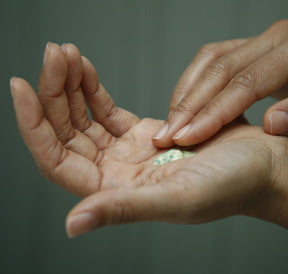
<point x="119" y="206"/>
<point x="275" y="120"/>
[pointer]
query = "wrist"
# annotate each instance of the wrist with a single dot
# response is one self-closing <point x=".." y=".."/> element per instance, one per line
<point x="272" y="206"/>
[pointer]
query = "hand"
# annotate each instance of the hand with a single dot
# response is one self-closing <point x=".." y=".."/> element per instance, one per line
<point x="81" y="155"/>
<point x="224" y="79"/>
<point x="239" y="171"/>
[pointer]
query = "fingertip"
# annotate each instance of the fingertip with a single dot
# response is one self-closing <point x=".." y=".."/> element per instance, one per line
<point x="186" y="136"/>
<point x="63" y="47"/>
<point x="161" y="133"/>
<point x="27" y="107"/>
<point x="275" y="120"/>
<point x="161" y="138"/>
<point x="54" y="71"/>
<point x="46" y="53"/>
<point x="17" y="85"/>
<point x="85" y="59"/>
<point x="160" y="143"/>
<point x="174" y="131"/>
<point x="12" y="89"/>
<point x="75" y="66"/>
<point x="49" y="47"/>
<point x="192" y="134"/>
<point x="267" y="122"/>
<point x="182" y="133"/>
<point x="69" y="47"/>
<point x="278" y="123"/>
<point x="13" y="82"/>
<point x="184" y="142"/>
<point x="80" y="223"/>
<point x="52" y="53"/>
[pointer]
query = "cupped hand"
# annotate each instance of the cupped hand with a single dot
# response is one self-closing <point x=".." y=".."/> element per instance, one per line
<point x="240" y="171"/>
<point x="110" y="158"/>
<point x="79" y="154"/>
<point x="224" y="79"/>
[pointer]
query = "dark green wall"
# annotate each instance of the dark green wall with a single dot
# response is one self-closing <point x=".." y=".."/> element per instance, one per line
<point x="140" y="49"/>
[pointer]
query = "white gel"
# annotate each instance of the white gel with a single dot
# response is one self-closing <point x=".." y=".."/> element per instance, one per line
<point x="172" y="155"/>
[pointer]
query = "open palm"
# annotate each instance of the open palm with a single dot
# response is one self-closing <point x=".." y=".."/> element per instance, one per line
<point x="112" y="155"/>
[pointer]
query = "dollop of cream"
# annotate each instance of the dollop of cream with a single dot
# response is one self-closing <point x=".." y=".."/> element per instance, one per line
<point x="172" y="155"/>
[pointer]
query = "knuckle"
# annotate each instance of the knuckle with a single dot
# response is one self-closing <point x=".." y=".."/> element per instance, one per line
<point x="180" y="89"/>
<point x="65" y="133"/>
<point x="82" y="123"/>
<point x="122" y="212"/>
<point x="244" y="80"/>
<point x="207" y="111"/>
<point x="247" y="81"/>
<point x="280" y="24"/>
<point x="176" y="97"/>
<point x="185" y="105"/>
<point x="218" y="70"/>
<point x="111" y="113"/>
<point x="210" y="49"/>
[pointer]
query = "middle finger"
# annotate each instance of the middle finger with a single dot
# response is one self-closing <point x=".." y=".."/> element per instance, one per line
<point x="55" y="104"/>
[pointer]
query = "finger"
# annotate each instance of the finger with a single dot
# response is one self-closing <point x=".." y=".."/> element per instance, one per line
<point x="76" y="100"/>
<point x="71" y="171"/>
<point x="216" y="78"/>
<point x="103" y="110"/>
<point x="119" y="206"/>
<point x="205" y="57"/>
<point x="55" y="104"/>
<point x="259" y="80"/>
<point x="201" y="191"/>
<point x="51" y="92"/>
<point x="275" y="120"/>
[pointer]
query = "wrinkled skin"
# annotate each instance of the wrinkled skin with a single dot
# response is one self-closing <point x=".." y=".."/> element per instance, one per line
<point x="223" y="80"/>
<point x="109" y="160"/>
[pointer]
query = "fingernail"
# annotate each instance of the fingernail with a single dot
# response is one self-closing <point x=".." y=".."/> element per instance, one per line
<point x="80" y="223"/>
<point x="278" y="122"/>
<point x="181" y="132"/>
<point x="12" y="85"/>
<point x="46" y="53"/>
<point x="63" y="47"/>
<point x="11" y="82"/>
<point x="161" y="132"/>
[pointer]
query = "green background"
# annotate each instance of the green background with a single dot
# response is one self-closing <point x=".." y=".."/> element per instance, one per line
<point x="140" y="49"/>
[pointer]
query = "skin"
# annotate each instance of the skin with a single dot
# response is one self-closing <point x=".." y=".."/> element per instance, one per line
<point x="225" y="79"/>
<point x="109" y="160"/>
